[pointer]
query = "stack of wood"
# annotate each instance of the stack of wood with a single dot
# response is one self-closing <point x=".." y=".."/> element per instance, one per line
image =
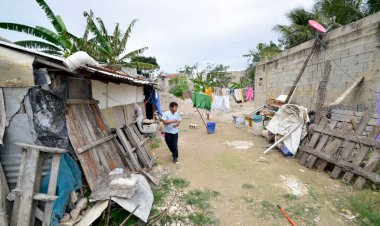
<point x="348" y="144"/>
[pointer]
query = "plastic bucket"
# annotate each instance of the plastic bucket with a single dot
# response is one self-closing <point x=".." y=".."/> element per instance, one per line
<point x="240" y="122"/>
<point x="211" y="127"/>
<point x="257" y="118"/>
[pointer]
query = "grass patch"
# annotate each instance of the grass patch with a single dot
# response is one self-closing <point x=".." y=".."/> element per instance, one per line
<point x="200" y="198"/>
<point x="367" y="206"/>
<point x="155" y="143"/>
<point x="313" y="193"/>
<point x="247" y="186"/>
<point x="290" y="197"/>
<point x="248" y="199"/>
<point x="202" y="219"/>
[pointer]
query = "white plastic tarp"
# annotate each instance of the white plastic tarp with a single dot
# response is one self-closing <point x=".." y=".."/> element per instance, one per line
<point x="287" y="118"/>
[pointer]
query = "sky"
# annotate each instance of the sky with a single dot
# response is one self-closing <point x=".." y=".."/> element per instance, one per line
<point x="177" y="32"/>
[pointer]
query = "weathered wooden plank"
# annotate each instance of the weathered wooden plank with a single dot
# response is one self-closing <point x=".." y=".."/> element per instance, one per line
<point x="42" y="148"/>
<point x="16" y="203"/>
<point x="86" y="125"/>
<point x="4" y="191"/>
<point x="330" y="150"/>
<point x="37" y="196"/>
<point x="322" y="141"/>
<point x="340" y="99"/>
<point x="145" y="148"/>
<point x="119" y="116"/>
<point x="3" y="116"/>
<point x="313" y="141"/>
<point x="52" y="187"/>
<point x="37" y="184"/>
<point x="370" y="166"/>
<point x="140" y="150"/>
<point x="349" y="145"/>
<point x="360" y="155"/>
<point x="350" y="138"/>
<point x="95" y="143"/>
<point x="79" y="101"/>
<point x="128" y="148"/>
<point x="28" y="177"/>
<point x="346" y="165"/>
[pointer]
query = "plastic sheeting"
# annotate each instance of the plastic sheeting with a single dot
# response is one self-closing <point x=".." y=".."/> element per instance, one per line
<point x="287" y="118"/>
<point x="69" y="179"/>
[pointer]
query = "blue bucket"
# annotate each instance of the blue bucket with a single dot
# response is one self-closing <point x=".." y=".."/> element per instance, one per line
<point x="211" y="127"/>
<point x="257" y="118"/>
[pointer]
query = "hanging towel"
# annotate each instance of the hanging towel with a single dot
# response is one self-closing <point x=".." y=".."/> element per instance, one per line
<point x="238" y="95"/>
<point x="201" y="100"/>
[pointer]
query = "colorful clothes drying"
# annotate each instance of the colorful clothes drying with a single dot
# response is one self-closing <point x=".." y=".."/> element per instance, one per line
<point x="249" y="94"/>
<point x="201" y="100"/>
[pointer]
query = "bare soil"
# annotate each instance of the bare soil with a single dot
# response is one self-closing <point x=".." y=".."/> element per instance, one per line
<point x="250" y="183"/>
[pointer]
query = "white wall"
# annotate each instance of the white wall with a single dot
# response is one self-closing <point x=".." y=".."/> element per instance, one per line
<point x="118" y="94"/>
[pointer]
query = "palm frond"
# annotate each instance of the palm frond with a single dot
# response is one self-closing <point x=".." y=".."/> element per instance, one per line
<point x="126" y="35"/>
<point x="133" y="53"/>
<point x="51" y="16"/>
<point x="103" y="43"/>
<point x="45" y="33"/>
<point x="52" y="52"/>
<point x="33" y="44"/>
<point x="103" y="28"/>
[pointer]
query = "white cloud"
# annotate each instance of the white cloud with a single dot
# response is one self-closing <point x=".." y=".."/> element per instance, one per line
<point x="177" y="32"/>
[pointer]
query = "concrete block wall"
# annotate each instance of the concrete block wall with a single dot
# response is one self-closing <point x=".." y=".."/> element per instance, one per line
<point x="354" y="51"/>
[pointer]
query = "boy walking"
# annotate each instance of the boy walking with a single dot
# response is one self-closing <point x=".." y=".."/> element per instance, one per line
<point x="171" y="120"/>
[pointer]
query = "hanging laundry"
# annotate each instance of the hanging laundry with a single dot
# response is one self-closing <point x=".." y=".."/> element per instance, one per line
<point x="239" y="95"/>
<point x="249" y="94"/>
<point x="201" y="100"/>
<point x="221" y="101"/>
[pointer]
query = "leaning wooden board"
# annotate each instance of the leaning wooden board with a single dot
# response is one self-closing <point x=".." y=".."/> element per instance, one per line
<point x="86" y="125"/>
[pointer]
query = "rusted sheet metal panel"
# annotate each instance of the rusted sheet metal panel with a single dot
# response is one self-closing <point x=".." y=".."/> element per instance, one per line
<point x="16" y="69"/>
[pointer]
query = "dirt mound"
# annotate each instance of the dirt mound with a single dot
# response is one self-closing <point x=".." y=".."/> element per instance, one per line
<point x="185" y="106"/>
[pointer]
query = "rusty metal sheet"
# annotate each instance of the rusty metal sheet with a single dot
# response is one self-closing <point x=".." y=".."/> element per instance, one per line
<point x="16" y="69"/>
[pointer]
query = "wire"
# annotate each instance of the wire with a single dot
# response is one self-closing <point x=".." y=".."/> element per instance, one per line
<point x="353" y="79"/>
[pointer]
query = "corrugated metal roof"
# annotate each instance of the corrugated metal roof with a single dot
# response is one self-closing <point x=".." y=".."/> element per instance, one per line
<point x="97" y="71"/>
<point x="115" y="74"/>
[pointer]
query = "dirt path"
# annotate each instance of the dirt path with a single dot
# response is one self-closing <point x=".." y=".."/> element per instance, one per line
<point x="250" y="183"/>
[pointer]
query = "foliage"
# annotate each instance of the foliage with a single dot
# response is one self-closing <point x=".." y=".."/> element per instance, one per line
<point x="200" y="198"/>
<point x="327" y="12"/>
<point x="110" y="49"/>
<point x="298" y="31"/>
<point x="211" y="76"/>
<point x="261" y="52"/>
<point x="178" y="86"/>
<point x="367" y="206"/>
<point x="57" y="42"/>
<point x="155" y="143"/>
<point x="144" y="65"/>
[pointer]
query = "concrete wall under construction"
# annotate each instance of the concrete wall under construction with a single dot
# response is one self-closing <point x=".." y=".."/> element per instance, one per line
<point x="354" y="51"/>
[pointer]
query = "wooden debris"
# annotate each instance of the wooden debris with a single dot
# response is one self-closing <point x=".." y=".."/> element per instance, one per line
<point x="340" y="99"/>
<point x="28" y="184"/>
<point x="336" y="146"/>
<point x="94" y="213"/>
<point x="86" y="126"/>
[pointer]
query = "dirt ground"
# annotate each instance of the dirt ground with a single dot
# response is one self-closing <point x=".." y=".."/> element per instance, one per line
<point x="250" y="183"/>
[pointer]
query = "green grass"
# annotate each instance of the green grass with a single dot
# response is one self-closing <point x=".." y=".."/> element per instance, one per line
<point x="367" y="206"/>
<point x="155" y="143"/>
<point x="247" y="186"/>
<point x="248" y="199"/>
<point x="200" y="198"/>
<point x="313" y="193"/>
<point x="117" y="216"/>
<point x="202" y="219"/>
<point x="290" y="197"/>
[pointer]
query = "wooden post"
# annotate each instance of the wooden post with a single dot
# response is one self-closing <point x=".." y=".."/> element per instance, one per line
<point x="52" y="188"/>
<point x="313" y="48"/>
<point x="340" y="99"/>
<point x="322" y="92"/>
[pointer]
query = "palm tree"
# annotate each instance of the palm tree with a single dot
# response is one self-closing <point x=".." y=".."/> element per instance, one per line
<point x="111" y="49"/>
<point x="344" y="11"/>
<point x="58" y="42"/>
<point x="298" y="31"/>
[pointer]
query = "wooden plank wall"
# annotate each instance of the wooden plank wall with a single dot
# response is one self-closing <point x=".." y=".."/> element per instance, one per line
<point x="86" y="125"/>
<point x="118" y="116"/>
